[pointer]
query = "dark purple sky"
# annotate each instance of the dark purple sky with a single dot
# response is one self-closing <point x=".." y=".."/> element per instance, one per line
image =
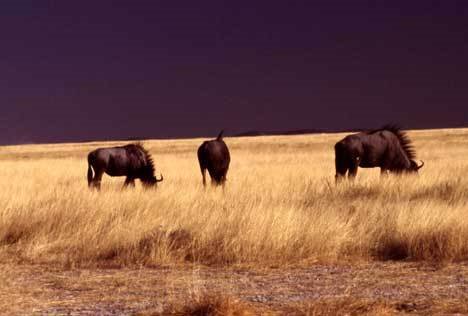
<point x="77" y="70"/>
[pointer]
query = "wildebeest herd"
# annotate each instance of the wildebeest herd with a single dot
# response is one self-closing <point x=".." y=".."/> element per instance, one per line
<point x="388" y="148"/>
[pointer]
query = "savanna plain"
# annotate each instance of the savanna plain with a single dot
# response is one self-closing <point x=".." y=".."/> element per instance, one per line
<point x="280" y="238"/>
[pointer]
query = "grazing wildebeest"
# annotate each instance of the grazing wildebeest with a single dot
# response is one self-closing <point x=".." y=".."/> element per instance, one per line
<point x="132" y="161"/>
<point x="214" y="156"/>
<point x="388" y="148"/>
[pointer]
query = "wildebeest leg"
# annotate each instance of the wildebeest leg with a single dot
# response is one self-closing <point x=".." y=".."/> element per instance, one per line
<point x="129" y="181"/>
<point x="341" y="163"/>
<point x="97" y="179"/>
<point x="383" y="172"/>
<point x="353" y="170"/>
<point x="218" y="179"/>
<point x="214" y="177"/>
<point x="341" y="169"/>
<point x="223" y="182"/>
<point x="203" y="172"/>
<point x="90" y="175"/>
<point x="339" y="177"/>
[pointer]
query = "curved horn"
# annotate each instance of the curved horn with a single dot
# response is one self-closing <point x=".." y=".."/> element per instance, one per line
<point x="159" y="180"/>
<point x="421" y="165"/>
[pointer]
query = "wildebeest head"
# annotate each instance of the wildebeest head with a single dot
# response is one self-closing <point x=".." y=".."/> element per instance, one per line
<point x="151" y="180"/>
<point x="414" y="167"/>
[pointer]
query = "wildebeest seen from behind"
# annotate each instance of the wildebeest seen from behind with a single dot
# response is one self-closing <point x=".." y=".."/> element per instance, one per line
<point x="214" y="156"/>
<point x="388" y="148"/>
<point x="132" y="161"/>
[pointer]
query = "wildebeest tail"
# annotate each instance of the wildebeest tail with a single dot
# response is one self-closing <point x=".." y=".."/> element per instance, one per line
<point x="90" y="170"/>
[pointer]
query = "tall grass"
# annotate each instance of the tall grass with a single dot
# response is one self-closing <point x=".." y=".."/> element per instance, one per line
<point x="280" y="205"/>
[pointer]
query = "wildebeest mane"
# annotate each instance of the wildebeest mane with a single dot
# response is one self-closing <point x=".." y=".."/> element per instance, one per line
<point x="403" y="138"/>
<point x="149" y="167"/>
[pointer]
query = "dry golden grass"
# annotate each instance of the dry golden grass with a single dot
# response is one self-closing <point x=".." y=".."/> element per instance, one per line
<point x="280" y="206"/>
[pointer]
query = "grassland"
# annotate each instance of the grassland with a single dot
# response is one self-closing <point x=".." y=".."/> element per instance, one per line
<point x="280" y="207"/>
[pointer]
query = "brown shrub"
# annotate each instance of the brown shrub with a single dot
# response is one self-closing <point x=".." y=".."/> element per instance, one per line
<point x="211" y="305"/>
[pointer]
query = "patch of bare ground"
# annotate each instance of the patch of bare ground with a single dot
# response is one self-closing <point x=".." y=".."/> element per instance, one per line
<point x="321" y="289"/>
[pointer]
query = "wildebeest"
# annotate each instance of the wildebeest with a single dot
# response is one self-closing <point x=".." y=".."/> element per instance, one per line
<point x="214" y="156"/>
<point x="132" y="161"/>
<point x="388" y="148"/>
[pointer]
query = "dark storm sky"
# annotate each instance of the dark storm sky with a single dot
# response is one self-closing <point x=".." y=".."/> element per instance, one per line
<point x="78" y="70"/>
